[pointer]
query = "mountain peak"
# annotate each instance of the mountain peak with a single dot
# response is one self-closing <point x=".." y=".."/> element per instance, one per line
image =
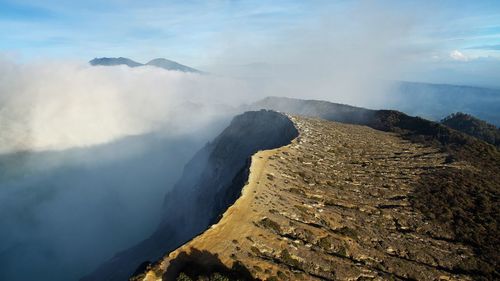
<point x="158" y="62"/>
<point x="171" y="65"/>
<point x="114" y="61"/>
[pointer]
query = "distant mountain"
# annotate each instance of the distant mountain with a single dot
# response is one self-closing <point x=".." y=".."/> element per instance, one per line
<point x="115" y="61"/>
<point x="435" y="101"/>
<point x="171" y="65"/>
<point x="473" y="126"/>
<point x="159" y="62"/>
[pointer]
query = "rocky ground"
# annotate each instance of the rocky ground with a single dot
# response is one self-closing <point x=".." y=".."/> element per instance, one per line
<point x="333" y="205"/>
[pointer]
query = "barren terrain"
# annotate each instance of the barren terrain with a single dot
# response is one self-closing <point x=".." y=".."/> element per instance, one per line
<point x="332" y="205"/>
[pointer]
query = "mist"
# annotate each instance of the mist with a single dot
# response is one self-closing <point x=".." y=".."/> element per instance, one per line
<point x="352" y="57"/>
<point x="87" y="155"/>
<point x="62" y="222"/>
<point x="58" y="105"/>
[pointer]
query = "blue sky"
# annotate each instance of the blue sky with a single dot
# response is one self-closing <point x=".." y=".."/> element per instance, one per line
<point x="141" y="29"/>
<point x="455" y="36"/>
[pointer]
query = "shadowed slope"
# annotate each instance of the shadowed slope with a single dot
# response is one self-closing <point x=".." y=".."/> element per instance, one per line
<point x="211" y="182"/>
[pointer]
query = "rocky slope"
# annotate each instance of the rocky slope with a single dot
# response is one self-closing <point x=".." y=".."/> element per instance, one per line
<point x="211" y="182"/>
<point x="407" y="199"/>
<point x="465" y="201"/>
<point x="333" y="205"/>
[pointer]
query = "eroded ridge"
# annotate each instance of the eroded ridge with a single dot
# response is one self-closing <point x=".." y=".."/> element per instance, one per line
<point x="332" y="205"/>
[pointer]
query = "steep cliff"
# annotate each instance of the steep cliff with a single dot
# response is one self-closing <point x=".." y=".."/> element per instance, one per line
<point x="211" y="182"/>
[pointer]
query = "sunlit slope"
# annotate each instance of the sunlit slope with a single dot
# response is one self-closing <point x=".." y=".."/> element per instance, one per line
<point x="345" y="202"/>
<point x="210" y="183"/>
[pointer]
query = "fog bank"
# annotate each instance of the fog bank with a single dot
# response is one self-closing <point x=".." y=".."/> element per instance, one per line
<point x="87" y="155"/>
<point x="59" y="105"/>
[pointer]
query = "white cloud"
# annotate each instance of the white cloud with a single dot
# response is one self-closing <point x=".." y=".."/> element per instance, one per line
<point x="458" y="56"/>
<point x="60" y="105"/>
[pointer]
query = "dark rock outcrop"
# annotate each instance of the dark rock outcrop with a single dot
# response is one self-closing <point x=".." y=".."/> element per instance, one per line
<point x="211" y="182"/>
<point x="473" y="126"/>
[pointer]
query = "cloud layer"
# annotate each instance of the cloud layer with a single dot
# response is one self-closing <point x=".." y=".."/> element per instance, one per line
<point x="58" y="105"/>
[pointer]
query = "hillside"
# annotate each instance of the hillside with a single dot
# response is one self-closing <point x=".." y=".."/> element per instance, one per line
<point x="473" y="126"/>
<point x="407" y="199"/>
<point x="465" y="200"/>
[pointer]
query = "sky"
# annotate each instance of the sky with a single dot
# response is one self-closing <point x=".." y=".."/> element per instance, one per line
<point x="444" y="41"/>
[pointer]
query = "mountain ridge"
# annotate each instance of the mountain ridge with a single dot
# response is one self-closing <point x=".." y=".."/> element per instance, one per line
<point x="158" y="62"/>
<point x="433" y="182"/>
<point x="349" y="202"/>
<point x="171" y="65"/>
<point x="473" y="126"/>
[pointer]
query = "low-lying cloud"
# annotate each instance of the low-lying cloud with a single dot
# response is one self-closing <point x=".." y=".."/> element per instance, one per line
<point x="87" y="155"/>
<point x="59" y="105"/>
